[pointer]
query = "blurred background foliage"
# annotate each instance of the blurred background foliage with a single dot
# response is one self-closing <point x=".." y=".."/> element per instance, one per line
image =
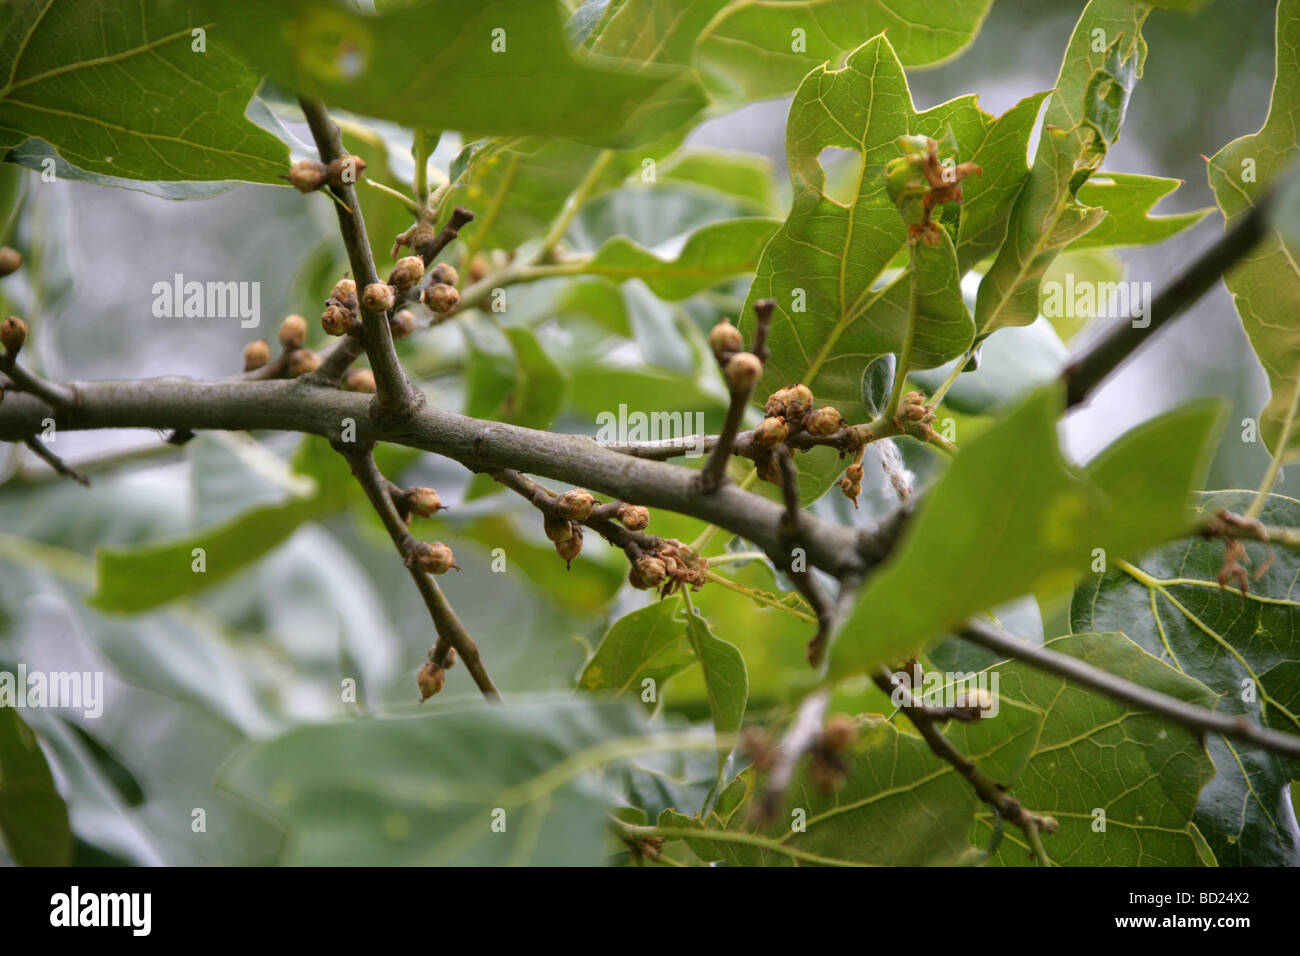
<point x="262" y="651"/>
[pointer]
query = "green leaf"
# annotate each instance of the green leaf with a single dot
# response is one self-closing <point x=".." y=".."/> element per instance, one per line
<point x="711" y="254"/>
<point x="823" y="265"/>
<point x="1010" y="517"/>
<point x="129" y="580"/>
<point x="743" y="175"/>
<point x="33" y="817"/>
<point x="523" y="387"/>
<point x="754" y="50"/>
<point x="725" y="679"/>
<point x="441" y="64"/>
<point x="1128" y="200"/>
<point x="1102" y="63"/>
<point x="643" y="645"/>
<point x="427" y="789"/>
<point x="897" y="807"/>
<point x="119" y="92"/>
<point x="1265" y="285"/>
<point x="1088" y="753"/>
<point x="1169" y="602"/>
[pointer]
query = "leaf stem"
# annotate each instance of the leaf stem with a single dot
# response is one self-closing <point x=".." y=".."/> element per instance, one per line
<point x="411" y="205"/>
<point x="948" y="382"/>
<point x="1275" y="466"/>
<point x="573" y="204"/>
<point x="905" y="356"/>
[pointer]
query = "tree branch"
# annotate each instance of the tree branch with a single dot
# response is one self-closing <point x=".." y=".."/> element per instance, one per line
<point x="302" y="406"/>
<point x="446" y="623"/>
<point x="393" y="393"/>
<point x="1085" y="373"/>
<point x="1180" y="712"/>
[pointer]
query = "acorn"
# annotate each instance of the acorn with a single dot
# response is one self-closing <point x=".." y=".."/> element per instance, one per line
<point x="11" y="260"/>
<point x="725" y="338"/>
<point x="825" y="421"/>
<point x="308" y="175"/>
<point x="444" y="274"/>
<point x="570" y="547"/>
<point x="557" y="529"/>
<point x="430" y="680"/>
<point x="840" y="733"/>
<point x="743" y="370"/>
<point x="13" y="333"/>
<point x="303" y="361"/>
<point x="634" y="517"/>
<point x="402" y="324"/>
<point x="408" y="271"/>
<point x="575" y="505"/>
<point x="424" y="501"/>
<point x="256" y="354"/>
<point x="851" y="489"/>
<point x="800" y="399"/>
<point x="450" y="662"/>
<point x="360" y="380"/>
<point x="647" y="571"/>
<point x="770" y="433"/>
<point x="379" y="296"/>
<point x="478" y="268"/>
<point x="423" y="240"/>
<point x="435" y="558"/>
<point x="293" y="332"/>
<point x="345" y="292"/>
<point x="853" y="473"/>
<point x="345" y="170"/>
<point x="441" y="297"/>
<point x="337" y="320"/>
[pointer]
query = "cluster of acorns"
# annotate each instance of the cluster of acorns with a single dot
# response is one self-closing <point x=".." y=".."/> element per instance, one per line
<point x="309" y="175"/>
<point x="299" y="360"/>
<point x="563" y="523"/>
<point x="432" y="677"/>
<point x="342" y="315"/>
<point x="668" y="569"/>
<point x="13" y="330"/>
<point x="742" y="369"/>
<point x="788" y="411"/>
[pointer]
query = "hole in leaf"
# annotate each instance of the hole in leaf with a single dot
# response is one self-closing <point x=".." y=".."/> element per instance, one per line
<point x="843" y="169"/>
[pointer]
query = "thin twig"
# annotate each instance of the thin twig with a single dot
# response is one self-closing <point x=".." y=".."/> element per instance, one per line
<point x="715" y="469"/>
<point x="1085" y="373"/>
<point x="804" y="581"/>
<point x="58" y="397"/>
<point x="1194" y="718"/>
<point x="446" y="623"/>
<point x="54" y="461"/>
<point x="393" y="392"/>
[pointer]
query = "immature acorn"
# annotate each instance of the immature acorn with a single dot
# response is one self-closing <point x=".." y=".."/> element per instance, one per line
<point x="337" y="320"/>
<point x="430" y="680"/>
<point x="445" y="275"/>
<point x="256" y="354"/>
<point x="824" y="421"/>
<point x="379" y="296"/>
<point x="770" y="433"/>
<point x="345" y="293"/>
<point x="634" y="517"/>
<point x="345" y="170"/>
<point x="576" y="505"/>
<point x="441" y="297"/>
<point x="647" y="572"/>
<point x="360" y="380"/>
<point x="11" y="260"/>
<point x="402" y="324"/>
<point x="853" y="473"/>
<point x="557" y="529"/>
<point x="570" y="547"/>
<point x="478" y="268"/>
<point x="424" y="501"/>
<point x="308" y="175"/>
<point x="743" y="370"/>
<point x="724" y="338"/>
<point x="13" y="333"/>
<point x="302" y="362"/>
<point x="293" y="332"/>
<point x="435" y="558"/>
<point x="406" y="273"/>
<point x="423" y="240"/>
